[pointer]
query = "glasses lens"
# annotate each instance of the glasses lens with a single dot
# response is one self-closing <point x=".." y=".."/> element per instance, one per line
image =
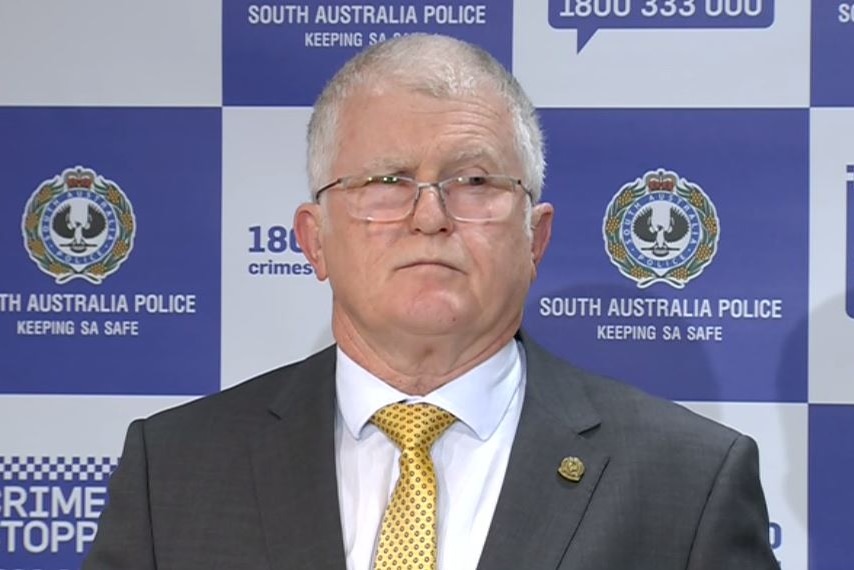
<point x="380" y="198"/>
<point x="480" y="197"/>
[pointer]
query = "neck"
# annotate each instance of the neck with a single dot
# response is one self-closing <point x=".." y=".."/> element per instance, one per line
<point x="416" y="364"/>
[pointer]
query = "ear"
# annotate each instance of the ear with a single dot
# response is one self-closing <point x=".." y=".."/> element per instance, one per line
<point x="541" y="233"/>
<point x="308" y="222"/>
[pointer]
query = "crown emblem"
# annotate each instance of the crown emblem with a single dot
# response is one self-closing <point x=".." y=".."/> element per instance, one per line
<point x="78" y="179"/>
<point x="660" y="181"/>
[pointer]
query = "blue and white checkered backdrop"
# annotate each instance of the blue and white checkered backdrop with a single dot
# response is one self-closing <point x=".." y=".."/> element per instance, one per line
<point x="153" y="156"/>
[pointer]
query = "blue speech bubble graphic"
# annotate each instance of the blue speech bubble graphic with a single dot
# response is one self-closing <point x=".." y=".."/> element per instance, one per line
<point x="589" y="16"/>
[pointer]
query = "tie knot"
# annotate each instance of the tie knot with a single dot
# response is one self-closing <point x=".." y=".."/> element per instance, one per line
<point x="413" y="426"/>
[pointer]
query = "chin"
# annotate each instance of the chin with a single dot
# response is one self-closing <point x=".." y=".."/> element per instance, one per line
<point x="429" y="329"/>
<point x="430" y="319"/>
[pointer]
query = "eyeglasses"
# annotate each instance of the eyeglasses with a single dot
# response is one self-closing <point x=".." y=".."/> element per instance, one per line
<point x="391" y="198"/>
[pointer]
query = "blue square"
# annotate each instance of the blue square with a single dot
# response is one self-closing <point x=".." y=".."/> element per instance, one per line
<point x="831" y="494"/>
<point x="159" y="171"/>
<point x="849" y="247"/>
<point x="285" y="54"/>
<point x="736" y="290"/>
<point x="832" y="82"/>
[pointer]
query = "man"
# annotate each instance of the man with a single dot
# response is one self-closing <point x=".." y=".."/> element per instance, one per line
<point x="435" y="434"/>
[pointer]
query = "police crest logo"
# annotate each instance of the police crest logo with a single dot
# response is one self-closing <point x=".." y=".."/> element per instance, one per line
<point x="661" y="228"/>
<point x="78" y="225"/>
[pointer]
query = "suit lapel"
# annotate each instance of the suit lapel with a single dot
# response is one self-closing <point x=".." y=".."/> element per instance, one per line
<point x="538" y="511"/>
<point x="293" y="463"/>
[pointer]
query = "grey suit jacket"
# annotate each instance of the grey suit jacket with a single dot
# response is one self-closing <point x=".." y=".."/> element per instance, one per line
<point x="246" y="479"/>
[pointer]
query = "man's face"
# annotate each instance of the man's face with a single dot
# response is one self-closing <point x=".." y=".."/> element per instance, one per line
<point x="427" y="274"/>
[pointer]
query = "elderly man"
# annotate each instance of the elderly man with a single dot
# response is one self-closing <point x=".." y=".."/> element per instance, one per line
<point x="434" y="434"/>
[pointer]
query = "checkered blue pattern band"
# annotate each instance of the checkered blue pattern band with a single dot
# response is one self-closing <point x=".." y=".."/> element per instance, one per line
<point x="57" y="468"/>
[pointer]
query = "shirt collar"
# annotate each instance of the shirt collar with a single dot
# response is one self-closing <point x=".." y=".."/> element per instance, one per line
<point x="479" y="398"/>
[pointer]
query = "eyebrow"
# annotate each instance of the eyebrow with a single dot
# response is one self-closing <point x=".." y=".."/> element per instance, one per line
<point x="473" y="155"/>
<point x="387" y="164"/>
<point x="400" y="164"/>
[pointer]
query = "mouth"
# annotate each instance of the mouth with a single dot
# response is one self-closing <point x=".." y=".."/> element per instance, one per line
<point x="429" y="263"/>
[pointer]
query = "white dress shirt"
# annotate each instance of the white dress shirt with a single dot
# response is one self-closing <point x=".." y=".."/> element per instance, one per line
<point x="470" y="457"/>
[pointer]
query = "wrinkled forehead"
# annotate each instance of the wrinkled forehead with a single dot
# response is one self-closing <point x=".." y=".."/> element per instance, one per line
<point x="391" y="126"/>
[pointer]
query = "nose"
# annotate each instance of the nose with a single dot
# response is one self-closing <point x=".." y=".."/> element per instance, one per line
<point x="429" y="215"/>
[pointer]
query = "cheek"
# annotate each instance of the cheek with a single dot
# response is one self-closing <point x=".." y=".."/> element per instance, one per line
<point x="357" y="257"/>
<point x="503" y="262"/>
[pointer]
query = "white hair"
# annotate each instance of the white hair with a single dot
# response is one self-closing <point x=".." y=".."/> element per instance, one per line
<point x="440" y="66"/>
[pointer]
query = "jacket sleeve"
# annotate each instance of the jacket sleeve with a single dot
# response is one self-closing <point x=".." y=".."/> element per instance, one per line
<point x="124" y="538"/>
<point x="733" y="530"/>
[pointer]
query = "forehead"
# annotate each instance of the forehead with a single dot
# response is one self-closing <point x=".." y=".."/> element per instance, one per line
<point x="402" y="129"/>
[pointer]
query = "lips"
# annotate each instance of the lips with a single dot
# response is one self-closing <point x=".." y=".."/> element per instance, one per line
<point x="428" y="263"/>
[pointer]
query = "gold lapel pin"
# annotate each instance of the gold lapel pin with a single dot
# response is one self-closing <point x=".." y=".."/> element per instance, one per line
<point x="571" y="469"/>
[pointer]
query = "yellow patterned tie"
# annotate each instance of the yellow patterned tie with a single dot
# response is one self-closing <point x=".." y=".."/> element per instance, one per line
<point x="408" y="535"/>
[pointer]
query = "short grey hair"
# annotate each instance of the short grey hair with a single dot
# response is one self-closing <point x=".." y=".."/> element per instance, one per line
<point x="440" y="66"/>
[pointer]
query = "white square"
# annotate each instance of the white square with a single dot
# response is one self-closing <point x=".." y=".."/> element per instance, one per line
<point x="780" y="431"/>
<point x="63" y="427"/>
<point x="831" y="329"/>
<point x="267" y="319"/>
<point x="751" y="67"/>
<point x="101" y="53"/>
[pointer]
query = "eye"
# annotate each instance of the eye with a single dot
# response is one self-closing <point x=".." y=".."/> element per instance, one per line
<point x="389" y="179"/>
<point x="475" y="180"/>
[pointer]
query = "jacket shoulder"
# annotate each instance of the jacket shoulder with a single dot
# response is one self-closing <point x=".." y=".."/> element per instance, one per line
<point x="627" y="409"/>
<point x="626" y="413"/>
<point x="250" y="401"/>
